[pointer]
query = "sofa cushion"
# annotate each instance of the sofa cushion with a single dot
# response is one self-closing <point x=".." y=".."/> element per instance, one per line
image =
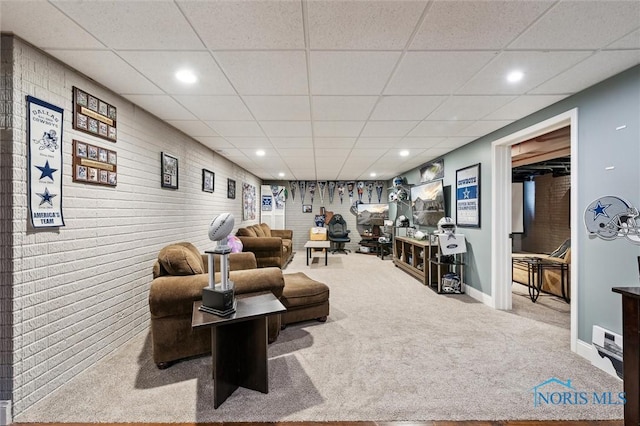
<point x="246" y="232"/>
<point x="181" y="259"/>
<point x="265" y="229"/>
<point x="258" y="230"/>
<point x="561" y="251"/>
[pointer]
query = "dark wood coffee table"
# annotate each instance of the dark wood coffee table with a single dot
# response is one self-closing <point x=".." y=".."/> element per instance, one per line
<point x="239" y="344"/>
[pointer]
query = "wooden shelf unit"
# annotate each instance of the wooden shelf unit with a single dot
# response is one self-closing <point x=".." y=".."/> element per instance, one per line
<point x="409" y="254"/>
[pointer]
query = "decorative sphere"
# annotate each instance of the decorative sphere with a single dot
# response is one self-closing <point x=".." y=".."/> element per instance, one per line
<point x="221" y="226"/>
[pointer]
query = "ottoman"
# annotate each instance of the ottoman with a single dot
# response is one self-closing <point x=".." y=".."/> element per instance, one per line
<point x="304" y="298"/>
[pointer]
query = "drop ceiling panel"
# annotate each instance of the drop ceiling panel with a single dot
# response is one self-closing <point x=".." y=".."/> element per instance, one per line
<point x="523" y="106"/>
<point x="286" y="128"/>
<point x="350" y="73"/>
<point x="593" y="24"/>
<point x="339" y="129"/>
<point x="423" y="143"/>
<point x="283" y="108"/>
<point x="247" y="24"/>
<point x="248" y="142"/>
<point x="194" y="128"/>
<point x="326" y="143"/>
<point x="364" y="142"/>
<point x="536" y="66"/>
<point x="406" y="107"/>
<point x="134" y="25"/>
<point x="266" y="73"/>
<point x="469" y="107"/>
<point x="388" y="128"/>
<point x="236" y="128"/>
<point x="215" y="143"/>
<point x="297" y="153"/>
<point x="598" y="67"/>
<point x="439" y="128"/>
<point x="488" y="25"/>
<point x="359" y="25"/>
<point x="335" y="154"/>
<point x="106" y="67"/>
<point x="59" y="32"/>
<point x="630" y="41"/>
<point x="162" y="106"/>
<point x="436" y="73"/>
<point x="289" y="143"/>
<point x="342" y="107"/>
<point x="481" y="128"/>
<point x="216" y="108"/>
<point x="366" y="154"/>
<point x="161" y="68"/>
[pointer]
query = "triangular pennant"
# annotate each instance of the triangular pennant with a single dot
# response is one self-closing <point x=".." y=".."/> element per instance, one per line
<point x="341" y="191"/>
<point x="379" y="187"/>
<point x="312" y="189"/>
<point x="292" y="187"/>
<point x="332" y="188"/>
<point x="360" y="190"/>
<point x="350" y="187"/>
<point x="321" y="186"/>
<point x="303" y="189"/>
<point x="370" y="190"/>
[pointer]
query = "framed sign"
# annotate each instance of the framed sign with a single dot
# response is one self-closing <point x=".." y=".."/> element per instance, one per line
<point x="208" y="178"/>
<point x="94" y="116"/>
<point x="44" y="141"/>
<point x="248" y="201"/>
<point x="92" y="164"/>
<point x="169" y="169"/>
<point x="468" y="196"/>
<point x="231" y="189"/>
<point x="267" y="203"/>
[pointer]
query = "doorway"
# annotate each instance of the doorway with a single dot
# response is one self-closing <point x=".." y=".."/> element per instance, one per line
<point x="501" y="297"/>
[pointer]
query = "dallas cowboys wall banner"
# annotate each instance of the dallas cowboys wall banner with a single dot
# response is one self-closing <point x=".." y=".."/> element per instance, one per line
<point x="468" y="196"/>
<point x="44" y="136"/>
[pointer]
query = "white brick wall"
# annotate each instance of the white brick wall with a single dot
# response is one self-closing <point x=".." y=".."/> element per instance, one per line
<point x="81" y="291"/>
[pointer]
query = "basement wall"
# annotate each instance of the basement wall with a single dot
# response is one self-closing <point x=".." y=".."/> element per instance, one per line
<point x="81" y="291"/>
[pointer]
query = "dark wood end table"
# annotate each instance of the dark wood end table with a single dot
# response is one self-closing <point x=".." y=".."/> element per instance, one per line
<point x="239" y="344"/>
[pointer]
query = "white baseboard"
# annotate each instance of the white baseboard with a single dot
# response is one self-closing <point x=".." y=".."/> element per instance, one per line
<point x="587" y="351"/>
<point x="5" y="413"/>
<point x="478" y="295"/>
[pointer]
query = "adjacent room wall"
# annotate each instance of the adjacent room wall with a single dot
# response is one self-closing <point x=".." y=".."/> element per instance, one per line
<point x="81" y="291"/>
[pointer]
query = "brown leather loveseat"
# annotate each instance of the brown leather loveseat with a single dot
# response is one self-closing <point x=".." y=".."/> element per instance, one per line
<point x="272" y="247"/>
<point x="180" y="274"/>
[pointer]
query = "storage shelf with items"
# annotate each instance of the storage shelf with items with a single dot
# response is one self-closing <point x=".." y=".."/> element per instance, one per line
<point x="412" y="256"/>
<point x="446" y="271"/>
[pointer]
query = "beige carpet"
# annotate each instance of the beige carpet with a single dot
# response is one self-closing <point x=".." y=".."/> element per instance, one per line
<point x="391" y="350"/>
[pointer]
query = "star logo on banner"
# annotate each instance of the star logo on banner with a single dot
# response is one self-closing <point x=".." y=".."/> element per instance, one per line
<point x="466" y="193"/>
<point x="46" y="197"/>
<point x="46" y="171"/>
<point x="599" y="210"/>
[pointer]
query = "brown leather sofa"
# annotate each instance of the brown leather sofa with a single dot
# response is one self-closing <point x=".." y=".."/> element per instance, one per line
<point x="272" y="247"/>
<point x="180" y="274"/>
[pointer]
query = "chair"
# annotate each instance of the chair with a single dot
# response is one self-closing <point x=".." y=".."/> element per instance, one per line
<point x="338" y="234"/>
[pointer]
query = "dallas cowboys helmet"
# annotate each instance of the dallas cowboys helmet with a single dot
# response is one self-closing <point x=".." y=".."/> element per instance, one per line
<point x="398" y="181"/>
<point x="446" y="225"/>
<point x="611" y="217"/>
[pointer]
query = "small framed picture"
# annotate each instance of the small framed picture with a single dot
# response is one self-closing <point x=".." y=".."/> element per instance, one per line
<point x="231" y="188"/>
<point x="92" y="152"/>
<point x="104" y="176"/>
<point x="169" y="168"/>
<point x="102" y="155"/>
<point x="92" y="174"/>
<point x="112" y="133"/>
<point x="81" y="172"/>
<point x="81" y="150"/>
<point x="103" y="109"/>
<point x="208" y="178"/>
<point x="93" y="104"/>
<point x="82" y="121"/>
<point x="112" y="112"/>
<point x="306" y="208"/>
<point x="102" y="129"/>
<point x="82" y="98"/>
<point x="93" y="125"/>
<point x="113" y="178"/>
<point x="113" y="158"/>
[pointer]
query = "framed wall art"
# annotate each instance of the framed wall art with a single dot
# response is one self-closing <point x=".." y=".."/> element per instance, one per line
<point x="432" y="171"/>
<point x="169" y="167"/>
<point x="248" y="201"/>
<point x="93" y="164"/>
<point x="231" y="189"/>
<point x="306" y="208"/>
<point x="94" y="116"/>
<point x="468" y="196"/>
<point x="208" y="178"/>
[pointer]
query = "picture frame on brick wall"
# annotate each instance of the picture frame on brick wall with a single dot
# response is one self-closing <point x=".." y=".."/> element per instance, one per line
<point x="169" y="171"/>
<point x="94" y="116"/>
<point x="231" y="189"/>
<point x="94" y="164"/>
<point x="208" y="179"/>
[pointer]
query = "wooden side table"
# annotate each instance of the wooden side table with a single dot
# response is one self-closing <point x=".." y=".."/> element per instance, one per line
<point x="631" y="352"/>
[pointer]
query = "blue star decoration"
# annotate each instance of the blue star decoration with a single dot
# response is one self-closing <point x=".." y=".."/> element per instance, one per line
<point x="466" y="193"/>
<point x="599" y="210"/>
<point x="46" y="171"/>
<point x="46" y="197"/>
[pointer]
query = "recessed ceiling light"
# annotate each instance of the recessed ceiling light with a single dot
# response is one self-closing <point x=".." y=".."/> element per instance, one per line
<point x="260" y="153"/>
<point x="404" y="153"/>
<point x="515" y="76"/>
<point x="281" y="174"/>
<point x="186" y="76"/>
<point x="372" y="174"/>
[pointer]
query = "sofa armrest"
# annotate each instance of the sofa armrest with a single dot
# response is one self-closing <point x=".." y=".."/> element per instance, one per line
<point x="256" y="244"/>
<point x="258" y="280"/>
<point x="282" y="233"/>
<point x="237" y="261"/>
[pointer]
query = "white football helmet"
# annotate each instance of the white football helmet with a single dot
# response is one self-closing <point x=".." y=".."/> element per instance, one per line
<point x="446" y="225"/>
<point x="611" y="217"/>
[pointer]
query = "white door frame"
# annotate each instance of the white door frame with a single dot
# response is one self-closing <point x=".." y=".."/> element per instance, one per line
<point x="501" y="207"/>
